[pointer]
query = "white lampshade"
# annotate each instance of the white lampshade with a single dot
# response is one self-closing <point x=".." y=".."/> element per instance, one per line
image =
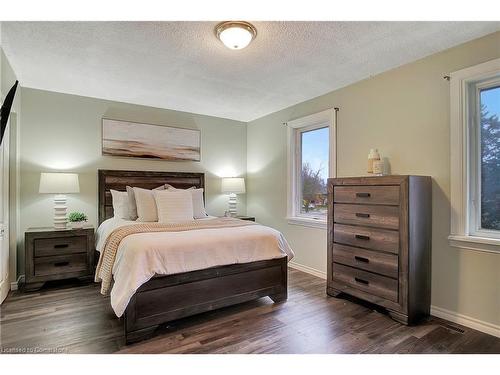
<point x="59" y="183"/>
<point x="234" y="185"/>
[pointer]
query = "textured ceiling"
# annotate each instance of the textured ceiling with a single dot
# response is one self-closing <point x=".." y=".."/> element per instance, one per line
<point x="182" y="66"/>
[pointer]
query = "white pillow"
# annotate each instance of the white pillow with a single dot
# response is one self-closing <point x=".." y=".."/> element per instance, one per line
<point x="120" y="204"/>
<point x="174" y="206"/>
<point x="145" y="203"/>
<point x="199" y="211"/>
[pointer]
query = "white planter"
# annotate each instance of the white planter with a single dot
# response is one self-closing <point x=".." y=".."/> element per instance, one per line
<point x="77" y="224"/>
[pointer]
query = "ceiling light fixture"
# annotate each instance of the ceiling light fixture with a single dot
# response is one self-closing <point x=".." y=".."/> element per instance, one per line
<point x="235" y="34"/>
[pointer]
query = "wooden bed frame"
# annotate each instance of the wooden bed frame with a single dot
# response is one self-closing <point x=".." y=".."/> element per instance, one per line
<point x="166" y="298"/>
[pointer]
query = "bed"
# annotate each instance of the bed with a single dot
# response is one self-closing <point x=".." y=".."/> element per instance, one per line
<point x="168" y="297"/>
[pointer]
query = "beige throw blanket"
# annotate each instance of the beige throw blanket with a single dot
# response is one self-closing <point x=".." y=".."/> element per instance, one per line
<point x="108" y="255"/>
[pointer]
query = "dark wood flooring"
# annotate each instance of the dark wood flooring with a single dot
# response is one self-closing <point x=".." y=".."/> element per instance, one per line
<point x="75" y="318"/>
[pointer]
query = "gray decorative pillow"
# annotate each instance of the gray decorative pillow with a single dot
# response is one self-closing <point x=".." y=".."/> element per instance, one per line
<point x="132" y="205"/>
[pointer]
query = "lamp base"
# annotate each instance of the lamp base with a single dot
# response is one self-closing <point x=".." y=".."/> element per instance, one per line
<point x="60" y="208"/>
<point x="232" y="205"/>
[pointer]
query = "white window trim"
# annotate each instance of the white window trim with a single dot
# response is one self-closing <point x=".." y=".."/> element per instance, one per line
<point x="461" y="234"/>
<point x="313" y="121"/>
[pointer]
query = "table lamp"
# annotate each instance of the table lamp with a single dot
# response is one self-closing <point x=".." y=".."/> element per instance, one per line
<point x="59" y="184"/>
<point x="233" y="186"/>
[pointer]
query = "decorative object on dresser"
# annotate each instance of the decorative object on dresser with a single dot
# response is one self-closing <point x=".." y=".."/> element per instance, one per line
<point x="58" y="254"/>
<point x="373" y="156"/>
<point x="77" y="219"/>
<point x="59" y="184"/>
<point x="233" y="186"/>
<point x="132" y="139"/>
<point x="379" y="242"/>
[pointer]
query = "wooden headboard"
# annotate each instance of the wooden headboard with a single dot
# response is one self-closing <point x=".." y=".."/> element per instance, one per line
<point x="119" y="180"/>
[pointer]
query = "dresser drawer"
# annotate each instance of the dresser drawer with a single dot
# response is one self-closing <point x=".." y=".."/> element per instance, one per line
<point x="381" y="286"/>
<point x="368" y="260"/>
<point x="388" y="195"/>
<point x="370" y="238"/>
<point x="55" y="265"/>
<point x="60" y="245"/>
<point x="370" y="215"/>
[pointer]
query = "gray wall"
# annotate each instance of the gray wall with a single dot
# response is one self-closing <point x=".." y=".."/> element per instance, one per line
<point x="61" y="132"/>
<point x="405" y="114"/>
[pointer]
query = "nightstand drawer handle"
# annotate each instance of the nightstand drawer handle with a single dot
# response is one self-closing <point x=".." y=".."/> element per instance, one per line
<point x="362" y="237"/>
<point x="363" y="195"/>
<point x="61" y="246"/>
<point x="61" y="264"/>
<point x="361" y="281"/>
<point x="361" y="259"/>
<point x="358" y="214"/>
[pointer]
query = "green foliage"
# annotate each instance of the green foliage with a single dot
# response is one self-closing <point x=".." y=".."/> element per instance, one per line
<point x="76" y="217"/>
<point x="313" y="187"/>
<point x="490" y="170"/>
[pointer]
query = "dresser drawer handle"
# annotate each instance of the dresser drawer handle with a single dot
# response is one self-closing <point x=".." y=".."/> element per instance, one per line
<point x="361" y="281"/>
<point x="61" y="264"/>
<point x="359" y="214"/>
<point x="361" y="259"/>
<point x="61" y="246"/>
<point x="363" y="195"/>
<point x="362" y="237"/>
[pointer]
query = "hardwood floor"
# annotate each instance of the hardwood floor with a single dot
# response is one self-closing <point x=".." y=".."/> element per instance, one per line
<point x="74" y="318"/>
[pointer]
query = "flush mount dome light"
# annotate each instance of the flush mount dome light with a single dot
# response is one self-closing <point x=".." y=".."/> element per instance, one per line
<point x="235" y="34"/>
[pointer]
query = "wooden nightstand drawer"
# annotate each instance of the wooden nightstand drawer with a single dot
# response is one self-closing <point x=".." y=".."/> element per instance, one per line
<point x="369" y="238"/>
<point x="58" y="254"/>
<point x="368" y="260"/>
<point x="370" y="215"/>
<point x="367" y="194"/>
<point x="381" y="286"/>
<point x="60" y="245"/>
<point x="60" y="264"/>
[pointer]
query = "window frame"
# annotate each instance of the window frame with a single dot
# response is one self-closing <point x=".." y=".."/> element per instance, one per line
<point x="295" y="128"/>
<point x="474" y="102"/>
<point x="465" y="167"/>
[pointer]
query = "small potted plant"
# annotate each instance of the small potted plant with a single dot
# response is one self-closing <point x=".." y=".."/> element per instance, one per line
<point x="77" y="219"/>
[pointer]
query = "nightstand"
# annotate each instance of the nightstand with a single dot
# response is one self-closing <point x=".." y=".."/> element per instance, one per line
<point x="56" y="254"/>
<point x="248" y="218"/>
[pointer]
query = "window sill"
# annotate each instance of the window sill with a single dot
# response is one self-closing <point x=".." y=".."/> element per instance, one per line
<point x="306" y="222"/>
<point x="488" y="245"/>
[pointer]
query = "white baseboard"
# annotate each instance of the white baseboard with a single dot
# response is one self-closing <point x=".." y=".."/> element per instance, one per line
<point x="479" y="325"/>
<point x="307" y="269"/>
<point x="451" y="316"/>
<point x="15" y="284"/>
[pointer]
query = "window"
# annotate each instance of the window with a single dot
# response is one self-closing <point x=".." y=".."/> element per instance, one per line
<point x="311" y="162"/>
<point x="485" y="159"/>
<point x="475" y="157"/>
<point x="313" y="174"/>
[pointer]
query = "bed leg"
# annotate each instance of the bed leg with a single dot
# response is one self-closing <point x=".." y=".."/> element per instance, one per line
<point x="139" y="335"/>
<point x="279" y="297"/>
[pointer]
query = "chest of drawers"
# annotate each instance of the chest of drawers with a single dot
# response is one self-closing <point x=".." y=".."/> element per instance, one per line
<point x="379" y="242"/>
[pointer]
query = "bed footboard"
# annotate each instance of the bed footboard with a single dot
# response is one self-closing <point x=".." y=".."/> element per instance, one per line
<point x="166" y="298"/>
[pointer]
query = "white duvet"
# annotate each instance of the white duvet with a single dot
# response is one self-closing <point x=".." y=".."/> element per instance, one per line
<point x="140" y="256"/>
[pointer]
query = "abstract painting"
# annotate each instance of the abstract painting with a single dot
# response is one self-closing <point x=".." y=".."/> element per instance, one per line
<point x="132" y="139"/>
